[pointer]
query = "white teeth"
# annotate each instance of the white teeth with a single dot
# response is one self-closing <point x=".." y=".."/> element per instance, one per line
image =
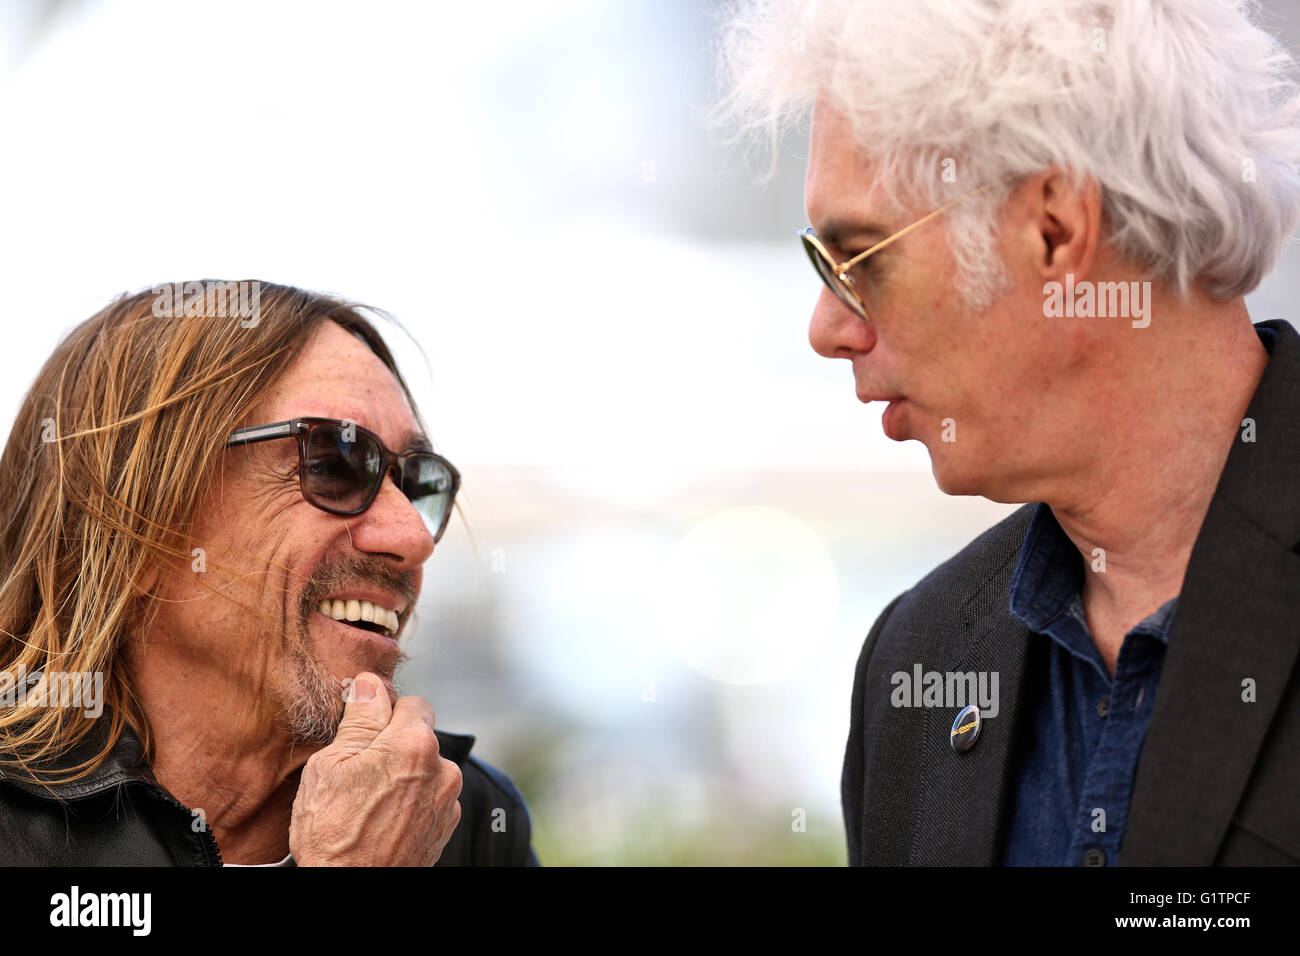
<point x="355" y="609"/>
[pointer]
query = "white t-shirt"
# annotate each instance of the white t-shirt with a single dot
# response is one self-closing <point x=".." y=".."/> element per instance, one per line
<point x="287" y="861"/>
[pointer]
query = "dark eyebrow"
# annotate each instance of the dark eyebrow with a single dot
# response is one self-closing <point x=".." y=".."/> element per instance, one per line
<point x="417" y="441"/>
<point x="836" y="232"/>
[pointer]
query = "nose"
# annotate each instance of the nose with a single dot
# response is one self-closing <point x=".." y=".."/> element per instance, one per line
<point x="393" y="527"/>
<point x="836" y="331"/>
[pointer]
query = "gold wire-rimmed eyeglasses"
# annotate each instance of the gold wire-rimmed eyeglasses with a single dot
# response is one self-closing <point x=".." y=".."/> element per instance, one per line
<point x="836" y="275"/>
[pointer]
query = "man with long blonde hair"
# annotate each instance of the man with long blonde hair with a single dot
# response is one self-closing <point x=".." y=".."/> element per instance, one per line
<point x="206" y="570"/>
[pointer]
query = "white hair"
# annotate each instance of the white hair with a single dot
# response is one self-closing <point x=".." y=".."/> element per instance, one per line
<point x="1183" y="111"/>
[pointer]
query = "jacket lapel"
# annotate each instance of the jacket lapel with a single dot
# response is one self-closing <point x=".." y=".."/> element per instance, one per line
<point x="964" y="795"/>
<point x="1236" y="621"/>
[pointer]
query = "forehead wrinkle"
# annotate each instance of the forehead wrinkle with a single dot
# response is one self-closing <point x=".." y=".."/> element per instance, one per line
<point x="336" y="372"/>
<point x="338" y="376"/>
<point x="411" y="434"/>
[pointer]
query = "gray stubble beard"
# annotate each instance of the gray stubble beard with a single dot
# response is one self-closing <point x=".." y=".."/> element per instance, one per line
<point x="316" y="709"/>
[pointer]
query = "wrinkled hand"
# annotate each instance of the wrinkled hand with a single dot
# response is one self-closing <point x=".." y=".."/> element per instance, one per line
<point x="381" y="794"/>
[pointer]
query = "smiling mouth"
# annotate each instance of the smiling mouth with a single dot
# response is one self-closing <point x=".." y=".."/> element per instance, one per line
<point x="363" y="615"/>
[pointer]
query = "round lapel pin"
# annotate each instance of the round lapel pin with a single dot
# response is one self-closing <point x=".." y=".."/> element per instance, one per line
<point x="965" y="729"/>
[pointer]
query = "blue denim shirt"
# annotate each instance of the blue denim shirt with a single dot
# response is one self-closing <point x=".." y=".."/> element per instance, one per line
<point x="1074" y="769"/>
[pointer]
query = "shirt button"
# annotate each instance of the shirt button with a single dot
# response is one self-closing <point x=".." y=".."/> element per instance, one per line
<point x="1094" y="857"/>
<point x="1103" y="705"/>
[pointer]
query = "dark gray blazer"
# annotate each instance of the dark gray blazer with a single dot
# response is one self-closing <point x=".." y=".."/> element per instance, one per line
<point x="1218" y="781"/>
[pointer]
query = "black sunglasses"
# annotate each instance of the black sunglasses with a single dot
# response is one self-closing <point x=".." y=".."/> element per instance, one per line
<point x="341" y="467"/>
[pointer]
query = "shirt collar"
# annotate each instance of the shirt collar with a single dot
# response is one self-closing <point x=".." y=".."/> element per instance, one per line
<point x="1047" y="576"/>
<point x="1047" y="584"/>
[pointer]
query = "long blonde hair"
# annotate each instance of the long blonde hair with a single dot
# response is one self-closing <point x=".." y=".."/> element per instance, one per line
<point x="106" y="465"/>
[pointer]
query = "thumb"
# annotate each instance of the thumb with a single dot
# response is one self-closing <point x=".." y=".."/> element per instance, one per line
<point x="365" y="714"/>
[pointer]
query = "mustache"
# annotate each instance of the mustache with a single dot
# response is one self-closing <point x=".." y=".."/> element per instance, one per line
<point x="333" y="575"/>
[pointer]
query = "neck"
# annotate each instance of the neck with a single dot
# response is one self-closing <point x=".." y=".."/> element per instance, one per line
<point x="229" y="761"/>
<point x="1163" y="413"/>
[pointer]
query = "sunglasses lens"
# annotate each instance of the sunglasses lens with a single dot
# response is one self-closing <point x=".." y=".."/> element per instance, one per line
<point x="829" y="276"/>
<point x="431" y="486"/>
<point x="343" y="466"/>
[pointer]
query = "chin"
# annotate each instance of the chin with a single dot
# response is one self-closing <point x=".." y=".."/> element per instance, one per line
<point x="321" y="667"/>
<point x="953" y="476"/>
<point x="957" y="486"/>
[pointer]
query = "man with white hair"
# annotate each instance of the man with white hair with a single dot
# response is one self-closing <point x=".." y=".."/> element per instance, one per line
<point x="1036" y="223"/>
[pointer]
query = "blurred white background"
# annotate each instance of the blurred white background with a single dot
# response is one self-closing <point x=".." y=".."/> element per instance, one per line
<point x="681" y="523"/>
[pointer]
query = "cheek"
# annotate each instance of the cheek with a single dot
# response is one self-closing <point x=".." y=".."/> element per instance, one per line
<point x="963" y="384"/>
<point x="255" y="520"/>
<point x="259" y="544"/>
<point x="920" y="315"/>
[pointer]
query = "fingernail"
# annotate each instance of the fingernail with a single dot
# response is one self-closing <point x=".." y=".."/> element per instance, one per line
<point x="365" y="688"/>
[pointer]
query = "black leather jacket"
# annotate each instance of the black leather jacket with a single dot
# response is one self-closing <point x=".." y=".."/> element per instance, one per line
<point x="121" y="816"/>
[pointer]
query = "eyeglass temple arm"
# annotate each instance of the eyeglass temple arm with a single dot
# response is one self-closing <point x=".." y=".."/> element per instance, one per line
<point x="845" y="266"/>
<point x="247" y="436"/>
